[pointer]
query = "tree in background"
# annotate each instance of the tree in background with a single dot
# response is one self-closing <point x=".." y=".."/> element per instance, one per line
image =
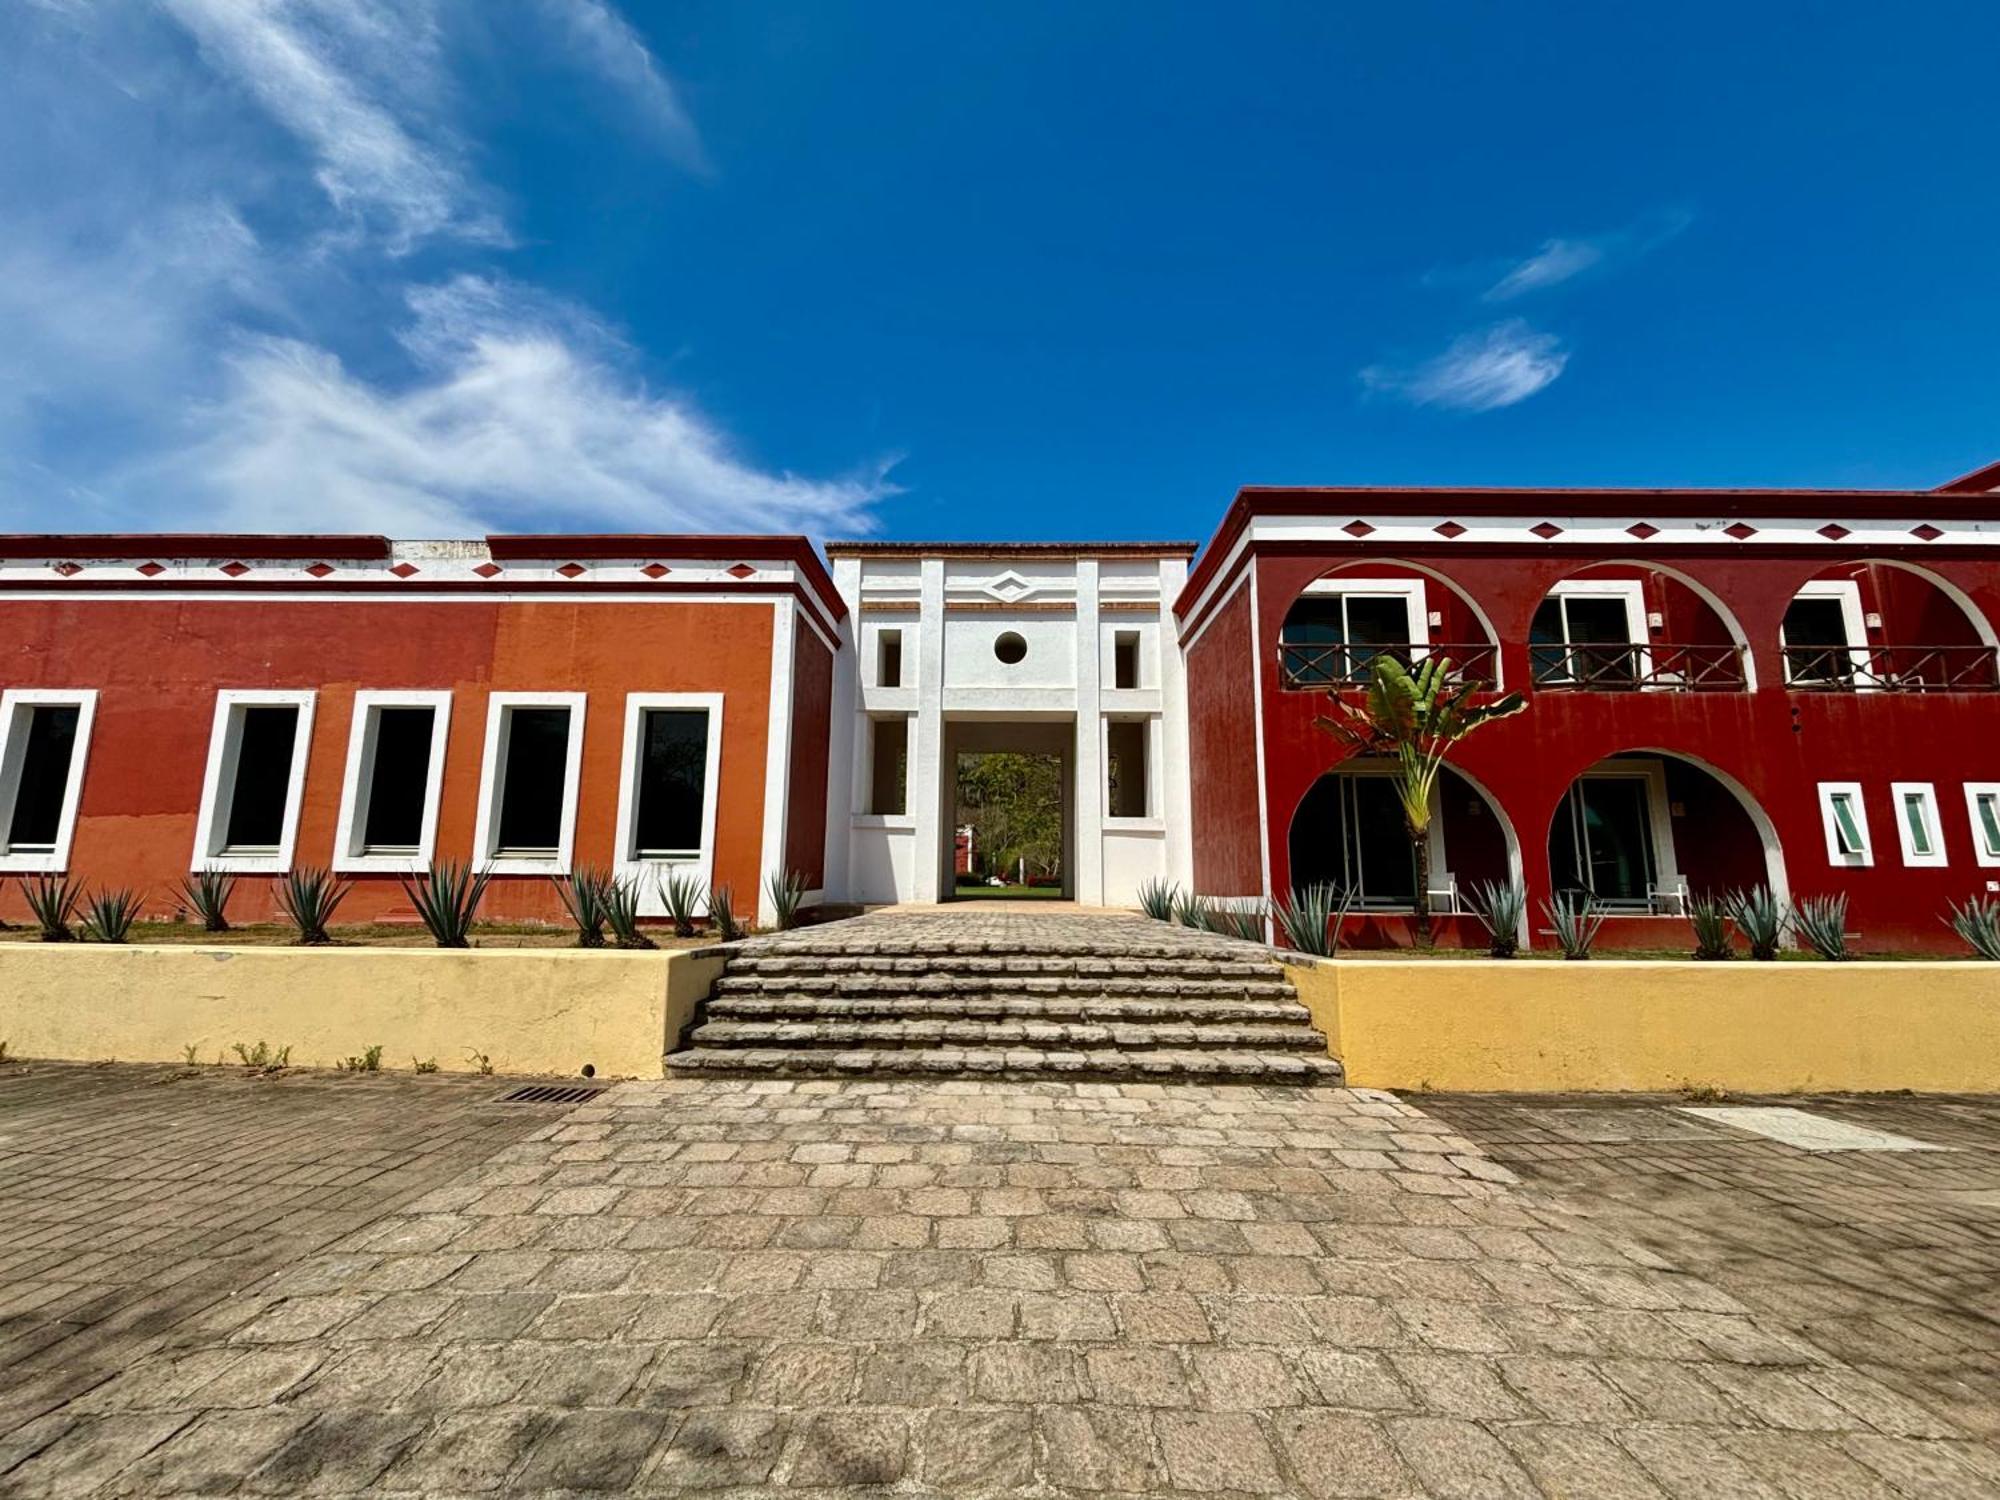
<point x="1014" y="804"/>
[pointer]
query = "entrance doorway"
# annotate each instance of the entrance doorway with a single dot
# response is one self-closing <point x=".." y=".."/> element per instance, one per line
<point x="1007" y="819"/>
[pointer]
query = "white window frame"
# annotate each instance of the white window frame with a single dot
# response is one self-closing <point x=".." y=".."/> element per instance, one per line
<point x="1631" y="592"/>
<point x="1828" y="791"/>
<point x="626" y="862"/>
<point x="1853" y="624"/>
<point x="486" y="828"/>
<point x="1659" y="819"/>
<point x="1410" y="590"/>
<point x="1441" y="878"/>
<point x="212" y="823"/>
<point x="1933" y="824"/>
<point x="349" y="854"/>
<point x="1974" y="790"/>
<point x="12" y="718"/>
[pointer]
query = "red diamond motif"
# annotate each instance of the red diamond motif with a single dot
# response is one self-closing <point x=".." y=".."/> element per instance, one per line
<point x="1741" y="530"/>
<point x="487" y="570"/>
<point x="1449" y="529"/>
<point x="656" y="570"/>
<point x="405" y="570"/>
<point x="1833" y="533"/>
<point x="1643" y="530"/>
<point x="151" y="569"/>
<point x="741" y="570"/>
<point x="236" y="569"/>
<point x="69" y="569"/>
<point x="320" y="570"/>
<point x="1357" y="528"/>
<point x="1547" y="530"/>
<point x="572" y="570"/>
<point x="1926" y="532"/>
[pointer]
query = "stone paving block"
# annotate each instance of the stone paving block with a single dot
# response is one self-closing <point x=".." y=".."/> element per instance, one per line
<point x="1210" y="1451"/>
<point x="210" y="1456"/>
<point x="1099" y="1449"/>
<point x="850" y="1449"/>
<point x="592" y="1450"/>
<point x="718" y="1448"/>
<point x="1338" y="1457"/>
<point x="343" y="1451"/>
<point x="1578" y="1461"/>
<point x="977" y="1452"/>
<point x="1458" y="1460"/>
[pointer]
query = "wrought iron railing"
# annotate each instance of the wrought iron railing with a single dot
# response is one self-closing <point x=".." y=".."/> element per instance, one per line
<point x="1321" y="665"/>
<point x="1892" y="669"/>
<point x="1652" y="667"/>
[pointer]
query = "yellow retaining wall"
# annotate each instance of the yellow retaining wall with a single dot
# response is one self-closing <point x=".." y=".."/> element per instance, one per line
<point x="531" y="1010"/>
<point x="1627" y="1025"/>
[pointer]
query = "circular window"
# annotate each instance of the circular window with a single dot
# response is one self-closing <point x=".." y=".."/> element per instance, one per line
<point x="1010" y="648"/>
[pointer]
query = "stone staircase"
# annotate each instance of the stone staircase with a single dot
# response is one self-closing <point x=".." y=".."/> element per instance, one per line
<point x="969" y="993"/>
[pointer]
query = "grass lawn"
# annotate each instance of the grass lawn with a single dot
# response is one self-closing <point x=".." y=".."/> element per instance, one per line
<point x="1008" y="893"/>
<point x="359" y="935"/>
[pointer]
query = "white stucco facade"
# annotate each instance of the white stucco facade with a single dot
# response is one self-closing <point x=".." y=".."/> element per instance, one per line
<point x="959" y="649"/>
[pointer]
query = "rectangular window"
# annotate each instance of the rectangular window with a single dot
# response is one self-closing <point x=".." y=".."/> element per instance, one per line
<point x="1846" y="823"/>
<point x="889" y="658"/>
<point x="889" y="763"/>
<point x="395" y="769"/>
<point x="1125" y="767"/>
<point x="1917" y="826"/>
<point x="1982" y="803"/>
<point x="1587" y="639"/>
<point x="1604" y="843"/>
<point x="255" y="781"/>
<point x="1814" y="636"/>
<point x="1335" y="637"/>
<point x="667" y="786"/>
<point x="1125" y="659"/>
<point x="528" y="782"/>
<point x="43" y="737"/>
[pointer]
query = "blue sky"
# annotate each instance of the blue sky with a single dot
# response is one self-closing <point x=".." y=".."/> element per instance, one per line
<point x="1009" y="271"/>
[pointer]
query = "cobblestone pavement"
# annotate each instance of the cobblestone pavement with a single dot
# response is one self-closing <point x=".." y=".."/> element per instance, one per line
<point x="987" y="1288"/>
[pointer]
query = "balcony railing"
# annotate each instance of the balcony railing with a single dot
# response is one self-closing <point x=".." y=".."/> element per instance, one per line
<point x="1892" y="669"/>
<point x="1652" y="667"/>
<point x="1321" y="665"/>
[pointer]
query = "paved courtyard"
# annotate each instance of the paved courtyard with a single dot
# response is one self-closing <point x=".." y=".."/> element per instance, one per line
<point x="977" y="1288"/>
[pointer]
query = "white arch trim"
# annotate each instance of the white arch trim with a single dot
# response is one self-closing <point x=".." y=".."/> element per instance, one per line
<point x="1945" y="586"/>
<point x="1767" y="831"/>
<point x="1695" y="586"/>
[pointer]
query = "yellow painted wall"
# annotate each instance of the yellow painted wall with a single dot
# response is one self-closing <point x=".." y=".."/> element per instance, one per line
<point x="1535" y="1026"/>
<point x="531" y="1010"/>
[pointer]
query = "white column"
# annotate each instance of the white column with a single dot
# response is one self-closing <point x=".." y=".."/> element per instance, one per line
<point x="778" y="751"/>
<point x="928" y="778"/>
<point x="1088" y="787"/>
<point x="1176" y="788"/>
<point x="843" y="723"/>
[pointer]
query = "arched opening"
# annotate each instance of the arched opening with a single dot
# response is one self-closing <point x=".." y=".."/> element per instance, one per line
<point x="1348" y="829"/>
<point x="1644" y="832"/>
<point x="1350" y="615"/>
<point x="1629" y="627"/>
<point x="1877" y="626"/>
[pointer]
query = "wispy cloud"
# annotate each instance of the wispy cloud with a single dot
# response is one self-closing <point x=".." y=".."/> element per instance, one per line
<point x="1559" y="260"/>
<point x="606" y="43"/>
<point x="1483" y="371"/>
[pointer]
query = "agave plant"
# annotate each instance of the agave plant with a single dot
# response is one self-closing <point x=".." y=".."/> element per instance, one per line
<point x="207" y="894"/>
<point x="1192" y="911"/>
<point x="1156" y="899"/>
<point x="308" y="897"/>
<point x="582" y="893"/>
<point x="1822" y="922"/>
<point x="1760" y="917"/>
<point x="1499" y="906"/>
<point x="447" y="897"/>
<point x="1313" y="916"/>
<point x="1576" y="919"/>
<point x="621" y="913"/>
<point x="1245" y="922"/>
<point x="108" y="916"/>
<point x="1978" y="922"/>
<point x="53" y="900"/>
<point x="786" y="891"/>
<point x="722" y="913"/>
<point x="682" y="894"/>
<point x="1710" y="920"/>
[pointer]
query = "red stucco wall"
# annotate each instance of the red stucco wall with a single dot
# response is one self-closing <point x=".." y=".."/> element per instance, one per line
<point x="1222" y="737"/>
<point x="812" y="716"/>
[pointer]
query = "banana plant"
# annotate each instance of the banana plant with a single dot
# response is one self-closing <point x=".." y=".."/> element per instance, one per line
<point x="1415" y="718"/>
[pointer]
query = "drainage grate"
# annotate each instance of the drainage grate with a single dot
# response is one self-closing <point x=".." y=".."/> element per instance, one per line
<point x="549" y="1093"/>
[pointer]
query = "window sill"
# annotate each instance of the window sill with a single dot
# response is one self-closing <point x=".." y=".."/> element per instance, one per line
<point x="37" y="863"/>
<point x="380" y="864"/>
<point x="509" y="864"/>
<point x="245" y="864"/>
<point x="1135" y="825"/>
<point x="895" y="822"/>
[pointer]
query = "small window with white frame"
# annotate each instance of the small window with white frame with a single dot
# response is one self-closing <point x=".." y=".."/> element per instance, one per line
<point x="1846" y="823"/>
<point x="528" y="783"/>
<point x="395" y="771"/>
<point x="249" y="819"/>
<point x="1982" y="805"/>
<point x="667" y="782"/>
<point x="44" y="736"/>
<point x="1918" y="830"/>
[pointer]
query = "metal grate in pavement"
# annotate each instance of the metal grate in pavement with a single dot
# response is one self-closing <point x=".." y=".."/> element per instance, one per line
<point x="549" y="1093"/>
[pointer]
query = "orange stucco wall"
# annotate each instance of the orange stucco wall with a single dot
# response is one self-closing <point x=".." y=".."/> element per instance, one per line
<point x="157" y="667"/>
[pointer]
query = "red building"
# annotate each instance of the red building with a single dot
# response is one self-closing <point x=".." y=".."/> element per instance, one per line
<point x="1724" y="687"/>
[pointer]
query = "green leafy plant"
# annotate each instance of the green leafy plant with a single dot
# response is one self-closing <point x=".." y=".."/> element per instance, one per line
<point x="681" y="894"/>
<point x="1312" y="917"/>
<point x="1499" y="906"/>
<point x="1245" y="922"/>
<point x="582" y="893"/>
<point x="1156" y="899"/>
<point x="207" y="893"/>
<point x="368" y="1062"/>
<point x="1415" y="719"/>
<point x="722" y="914"/>
<point x="1760" y="917"/>
<point x="108" y="916"/>
<point x="1978" y="922"/>
<point x="1576" y="919"/>
<point x="308" y="897"/>
<point x="1191" y="910"/>
<point x="53" y="899"/>
<point x="481" y="1063"/>
<point x="188" y="1053"/>
<point x="786" y="890"/>
<point x="447" y="897"/>
<point x="1710" y="920"/>
<point x="1822" y="922"/>
<point x="424" y="1064"/>
<point x="262" y="1058"/>
<point x="621" y="913"/>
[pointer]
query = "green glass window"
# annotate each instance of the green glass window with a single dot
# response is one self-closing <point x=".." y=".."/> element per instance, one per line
<point x="1915" y="815"/>
<point x="1847" y="825"/>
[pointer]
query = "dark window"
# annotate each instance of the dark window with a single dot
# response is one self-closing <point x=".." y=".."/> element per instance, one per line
<point x="398" y="780"/>
<point x="1349" y="830"/>
<point x="1331" y="638"/>
<point x="889" y="773"/>
<point x="266" y="740"/>
<point x="889" y="659"/>
<point x="1603" y="840"/>
<point x="1576" y="638"/>
<point x="1125" y="659"/>
<point x="673" y="774"/>
<point x="1816" y="645"/>
<point x="532" y="783"/>
<point x="1126" y="771"/>
<point x="44" y="777"/>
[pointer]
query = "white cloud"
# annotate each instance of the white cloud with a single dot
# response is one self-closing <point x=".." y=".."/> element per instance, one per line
<point x="521" y="416"/>
<point x="1482" y="371"/>
<point x="606" y="42"/>
<point x="1554" y="263"/>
